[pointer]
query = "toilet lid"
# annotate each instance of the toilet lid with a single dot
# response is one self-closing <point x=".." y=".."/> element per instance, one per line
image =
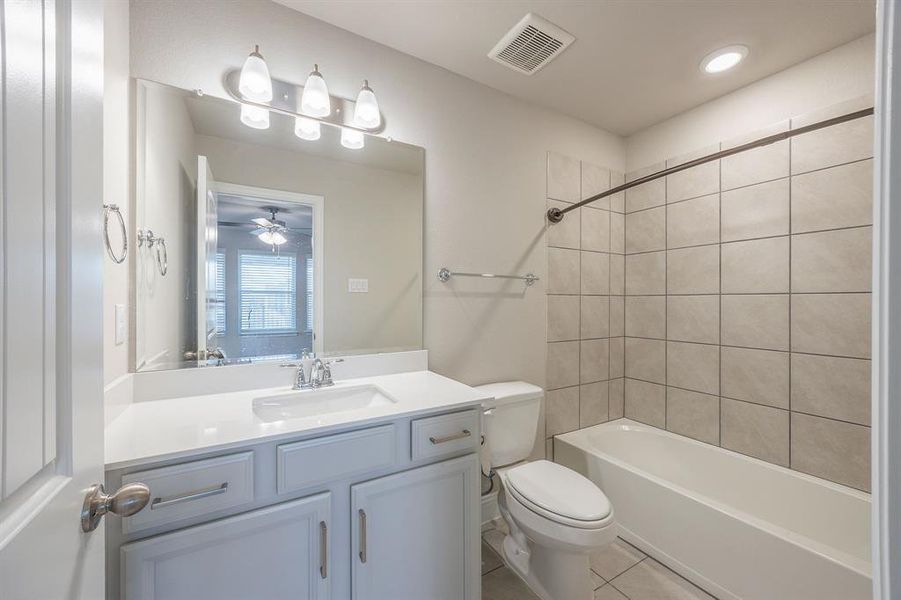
<point x="559" y="491"/>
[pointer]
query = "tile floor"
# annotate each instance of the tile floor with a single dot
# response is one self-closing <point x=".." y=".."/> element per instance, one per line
<point x="620" y="572"/>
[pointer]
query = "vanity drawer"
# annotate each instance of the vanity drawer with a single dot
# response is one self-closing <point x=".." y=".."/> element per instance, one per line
<point x="192" y="489"/>
<point x="443" y="435"/>
<point x="312" y="462"/>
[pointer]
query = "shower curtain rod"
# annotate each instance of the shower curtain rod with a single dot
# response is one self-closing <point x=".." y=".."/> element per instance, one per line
<point x="555" y="215"/>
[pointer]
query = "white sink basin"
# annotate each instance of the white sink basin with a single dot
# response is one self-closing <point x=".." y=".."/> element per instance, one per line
<point x="311" y="403"/>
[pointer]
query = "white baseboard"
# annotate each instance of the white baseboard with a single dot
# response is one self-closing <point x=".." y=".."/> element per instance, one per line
<point x="490" y="511"/>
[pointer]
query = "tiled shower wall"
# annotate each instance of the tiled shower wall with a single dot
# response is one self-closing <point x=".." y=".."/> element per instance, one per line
<point x="586" y="287"/>
<point x="746" y="302"/>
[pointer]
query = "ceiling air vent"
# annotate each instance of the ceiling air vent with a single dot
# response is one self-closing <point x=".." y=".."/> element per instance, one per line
<point x="531" y="44"/>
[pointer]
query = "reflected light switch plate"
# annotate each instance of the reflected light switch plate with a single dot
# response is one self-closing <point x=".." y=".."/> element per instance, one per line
<point x="357" y="286"/>
<point x="120" y="324"/>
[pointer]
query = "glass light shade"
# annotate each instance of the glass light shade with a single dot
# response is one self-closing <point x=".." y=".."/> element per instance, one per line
<point x="254" y="116"/>
<point x="366" y="111"/>
<point x="273" y="238"/>
<point x="255" y="83"/>
<point x="352" y="139"/>
<point x="315" y="99"/>
<point x="307" y="129"/>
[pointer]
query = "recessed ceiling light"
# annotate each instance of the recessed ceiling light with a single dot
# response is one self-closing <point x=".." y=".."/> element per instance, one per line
<point x="723" y="59"/>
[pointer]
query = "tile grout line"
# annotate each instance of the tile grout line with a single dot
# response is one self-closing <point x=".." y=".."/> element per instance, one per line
<point x="790" y="286"/>
<point x="719" y="286"/>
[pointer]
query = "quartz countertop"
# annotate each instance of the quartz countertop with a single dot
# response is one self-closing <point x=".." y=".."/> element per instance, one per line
<point x="156" y="430"/>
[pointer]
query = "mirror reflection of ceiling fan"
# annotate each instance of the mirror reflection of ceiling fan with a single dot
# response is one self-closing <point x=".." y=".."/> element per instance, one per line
<point x="271" y="231"/>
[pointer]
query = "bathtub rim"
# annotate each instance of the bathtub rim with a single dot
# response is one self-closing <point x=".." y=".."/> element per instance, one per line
<point x="576" y="439"/>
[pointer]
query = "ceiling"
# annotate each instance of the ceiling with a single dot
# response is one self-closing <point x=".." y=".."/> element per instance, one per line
<point x="634" y="62"/>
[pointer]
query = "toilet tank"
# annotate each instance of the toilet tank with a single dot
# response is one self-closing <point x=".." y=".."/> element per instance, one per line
<point x="510" y="420"/>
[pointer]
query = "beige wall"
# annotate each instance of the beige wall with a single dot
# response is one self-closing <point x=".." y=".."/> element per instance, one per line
<point x="485" y="162"/>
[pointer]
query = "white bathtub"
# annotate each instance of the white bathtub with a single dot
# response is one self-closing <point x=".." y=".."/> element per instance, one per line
<point x="734" y="525"/>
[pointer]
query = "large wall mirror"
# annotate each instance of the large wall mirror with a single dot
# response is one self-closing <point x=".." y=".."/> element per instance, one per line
<point x="254" y="244"/>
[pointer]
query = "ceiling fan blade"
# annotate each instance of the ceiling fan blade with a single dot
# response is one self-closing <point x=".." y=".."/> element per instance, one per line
<point x="263" y="222"/>
<point x="258" y="231"/>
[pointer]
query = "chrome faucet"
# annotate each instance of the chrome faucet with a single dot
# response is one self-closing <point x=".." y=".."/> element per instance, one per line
<point x="321" y="373"/>
<point x="300" y="379"/>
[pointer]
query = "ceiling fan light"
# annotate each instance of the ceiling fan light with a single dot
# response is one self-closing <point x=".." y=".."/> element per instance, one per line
<point x="254" y="116"/>
<point x="307" y="129"/>
<point x="352" y="139"/>
<point x="366" y="111"/>
<point x="272" y="238"/>
<point x="315" y="100"/>
<point x="255" y="83"/>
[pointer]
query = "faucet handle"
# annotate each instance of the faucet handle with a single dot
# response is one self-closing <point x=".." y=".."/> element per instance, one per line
<point x="327" y="370"/>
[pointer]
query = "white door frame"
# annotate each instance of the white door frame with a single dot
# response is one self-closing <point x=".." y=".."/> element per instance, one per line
<point x="318" y="205"/>
<point x="886" y="321"/>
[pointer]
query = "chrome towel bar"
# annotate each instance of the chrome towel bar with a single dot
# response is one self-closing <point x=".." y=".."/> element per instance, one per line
<point x="444" y="274"/>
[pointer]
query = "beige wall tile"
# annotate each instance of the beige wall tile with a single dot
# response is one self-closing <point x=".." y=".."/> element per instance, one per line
<point x="617" y="233"/>
<point x="838" y="388"/>
<point x="759" y="431"/>
<point x="647" y="195"/>
<point x="593" y="404"/>
<point x="646" y="230"/>
<point x="563" y="178"/>
<point x="833" y="145"/>
<point x="562" y="412"/>
<point x="832" y="261"/>
<point x="645" y="402"/>
<point x="595" y="317"/>
<point x="693" y="319"/>
<point x="837" y="197"/>
<point x="595" y="180"/>
<point x="563" y="271"/>
<point x="564" y="234"/>
<point x="760" y="376"/>
<point x="692" y="222"/>
<point x="646" y="274"/>
<point x="562" y="318"/>
<point x="759" y="321"/>
<point x="646" y="359"/>
<point x="562" y="364"/>
<point x="618" y="200"/>
<point x="595" y="271"/>
<point x="693" y="270"/>
<point x="616" y="392"/>
<point x="758" y="165"/>
<point x="693" y="366"/>
<point x="832" y="450"/>
<point x="756" y="266"/>
<point x="696" y="181"/>
<point x="617" y="316"/>
<point x="756" y="211"/>
<point x="646" y="316"/>
<point x="595" y="229"/>
<point x="694" y="415"/>
<point x="617" y="274"/>
<point x="594" y="361"/>
<point x="617" y="357"/>
<point x="835" y="324"/>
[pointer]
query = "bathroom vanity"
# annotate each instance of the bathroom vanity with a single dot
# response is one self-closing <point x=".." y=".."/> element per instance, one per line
<point x="250" y="500"/>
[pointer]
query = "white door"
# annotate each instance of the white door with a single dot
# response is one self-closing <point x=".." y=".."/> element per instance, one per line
<point x="277" y="553"/>
<point x="207" y="241"/>
<point x="416" y="534"/>
<point x="51" y="443"/>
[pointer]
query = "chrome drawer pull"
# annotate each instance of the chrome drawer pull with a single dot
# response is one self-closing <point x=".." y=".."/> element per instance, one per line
<point x="323" y="549"/>
<point x="213" y="490"/>
<point x="449" y="438"/>
<point x="362" y="535"/>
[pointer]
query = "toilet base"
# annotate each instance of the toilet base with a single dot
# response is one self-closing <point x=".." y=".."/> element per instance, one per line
<point x="551" y="573"/>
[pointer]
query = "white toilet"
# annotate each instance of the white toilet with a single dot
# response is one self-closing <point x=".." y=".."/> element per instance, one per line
<point x="556" y="516"/>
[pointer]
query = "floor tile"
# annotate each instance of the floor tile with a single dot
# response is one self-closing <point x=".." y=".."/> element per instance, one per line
<point x="596" y="580"/>
<point x="503" y="584"/>
<point x="650" y="580"/>
<point x="615" y="558"/>
<point x="490" y="559"/>
<point x="608" y="592"/>
<point x="495" y="539"/>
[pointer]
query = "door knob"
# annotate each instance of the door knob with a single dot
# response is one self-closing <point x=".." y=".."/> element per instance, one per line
<point x="128" y="500"/>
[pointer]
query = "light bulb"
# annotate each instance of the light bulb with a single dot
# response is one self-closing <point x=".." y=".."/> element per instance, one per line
<point x="272" y="238"/>
<point x="366" y="111"/>
<point x="315" y="99"/>
<point x="255" y="83"/>
<point x="254" y="116"/>
<point x="306" y="129"/>
<point x="352" y="139"/>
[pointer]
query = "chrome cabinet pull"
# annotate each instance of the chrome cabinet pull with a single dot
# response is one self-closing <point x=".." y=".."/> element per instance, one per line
<point x="449" y="438"/>
<point x="323" y="549"/>
<point x="213" y="490"/>
<point x="362" y="535"/>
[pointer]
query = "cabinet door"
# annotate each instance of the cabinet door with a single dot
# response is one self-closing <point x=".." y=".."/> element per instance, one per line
<point x="416" y="534"/>
<point x="272" y="553"/>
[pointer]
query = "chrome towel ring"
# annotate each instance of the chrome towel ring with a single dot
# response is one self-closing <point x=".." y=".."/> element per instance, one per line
<point x="113" y="208"/>
<point x="162" y="256"/>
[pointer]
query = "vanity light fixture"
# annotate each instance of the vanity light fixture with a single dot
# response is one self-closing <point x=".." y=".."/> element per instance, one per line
<point x="255" y="83"/>
<point x="307" y="129"/>
<point x="366" y="111"/>
<point x="254" y="116"/>
<point x="351" y="138"/>
<point x="723" y="59"/>
<point x="315" y="99"/>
